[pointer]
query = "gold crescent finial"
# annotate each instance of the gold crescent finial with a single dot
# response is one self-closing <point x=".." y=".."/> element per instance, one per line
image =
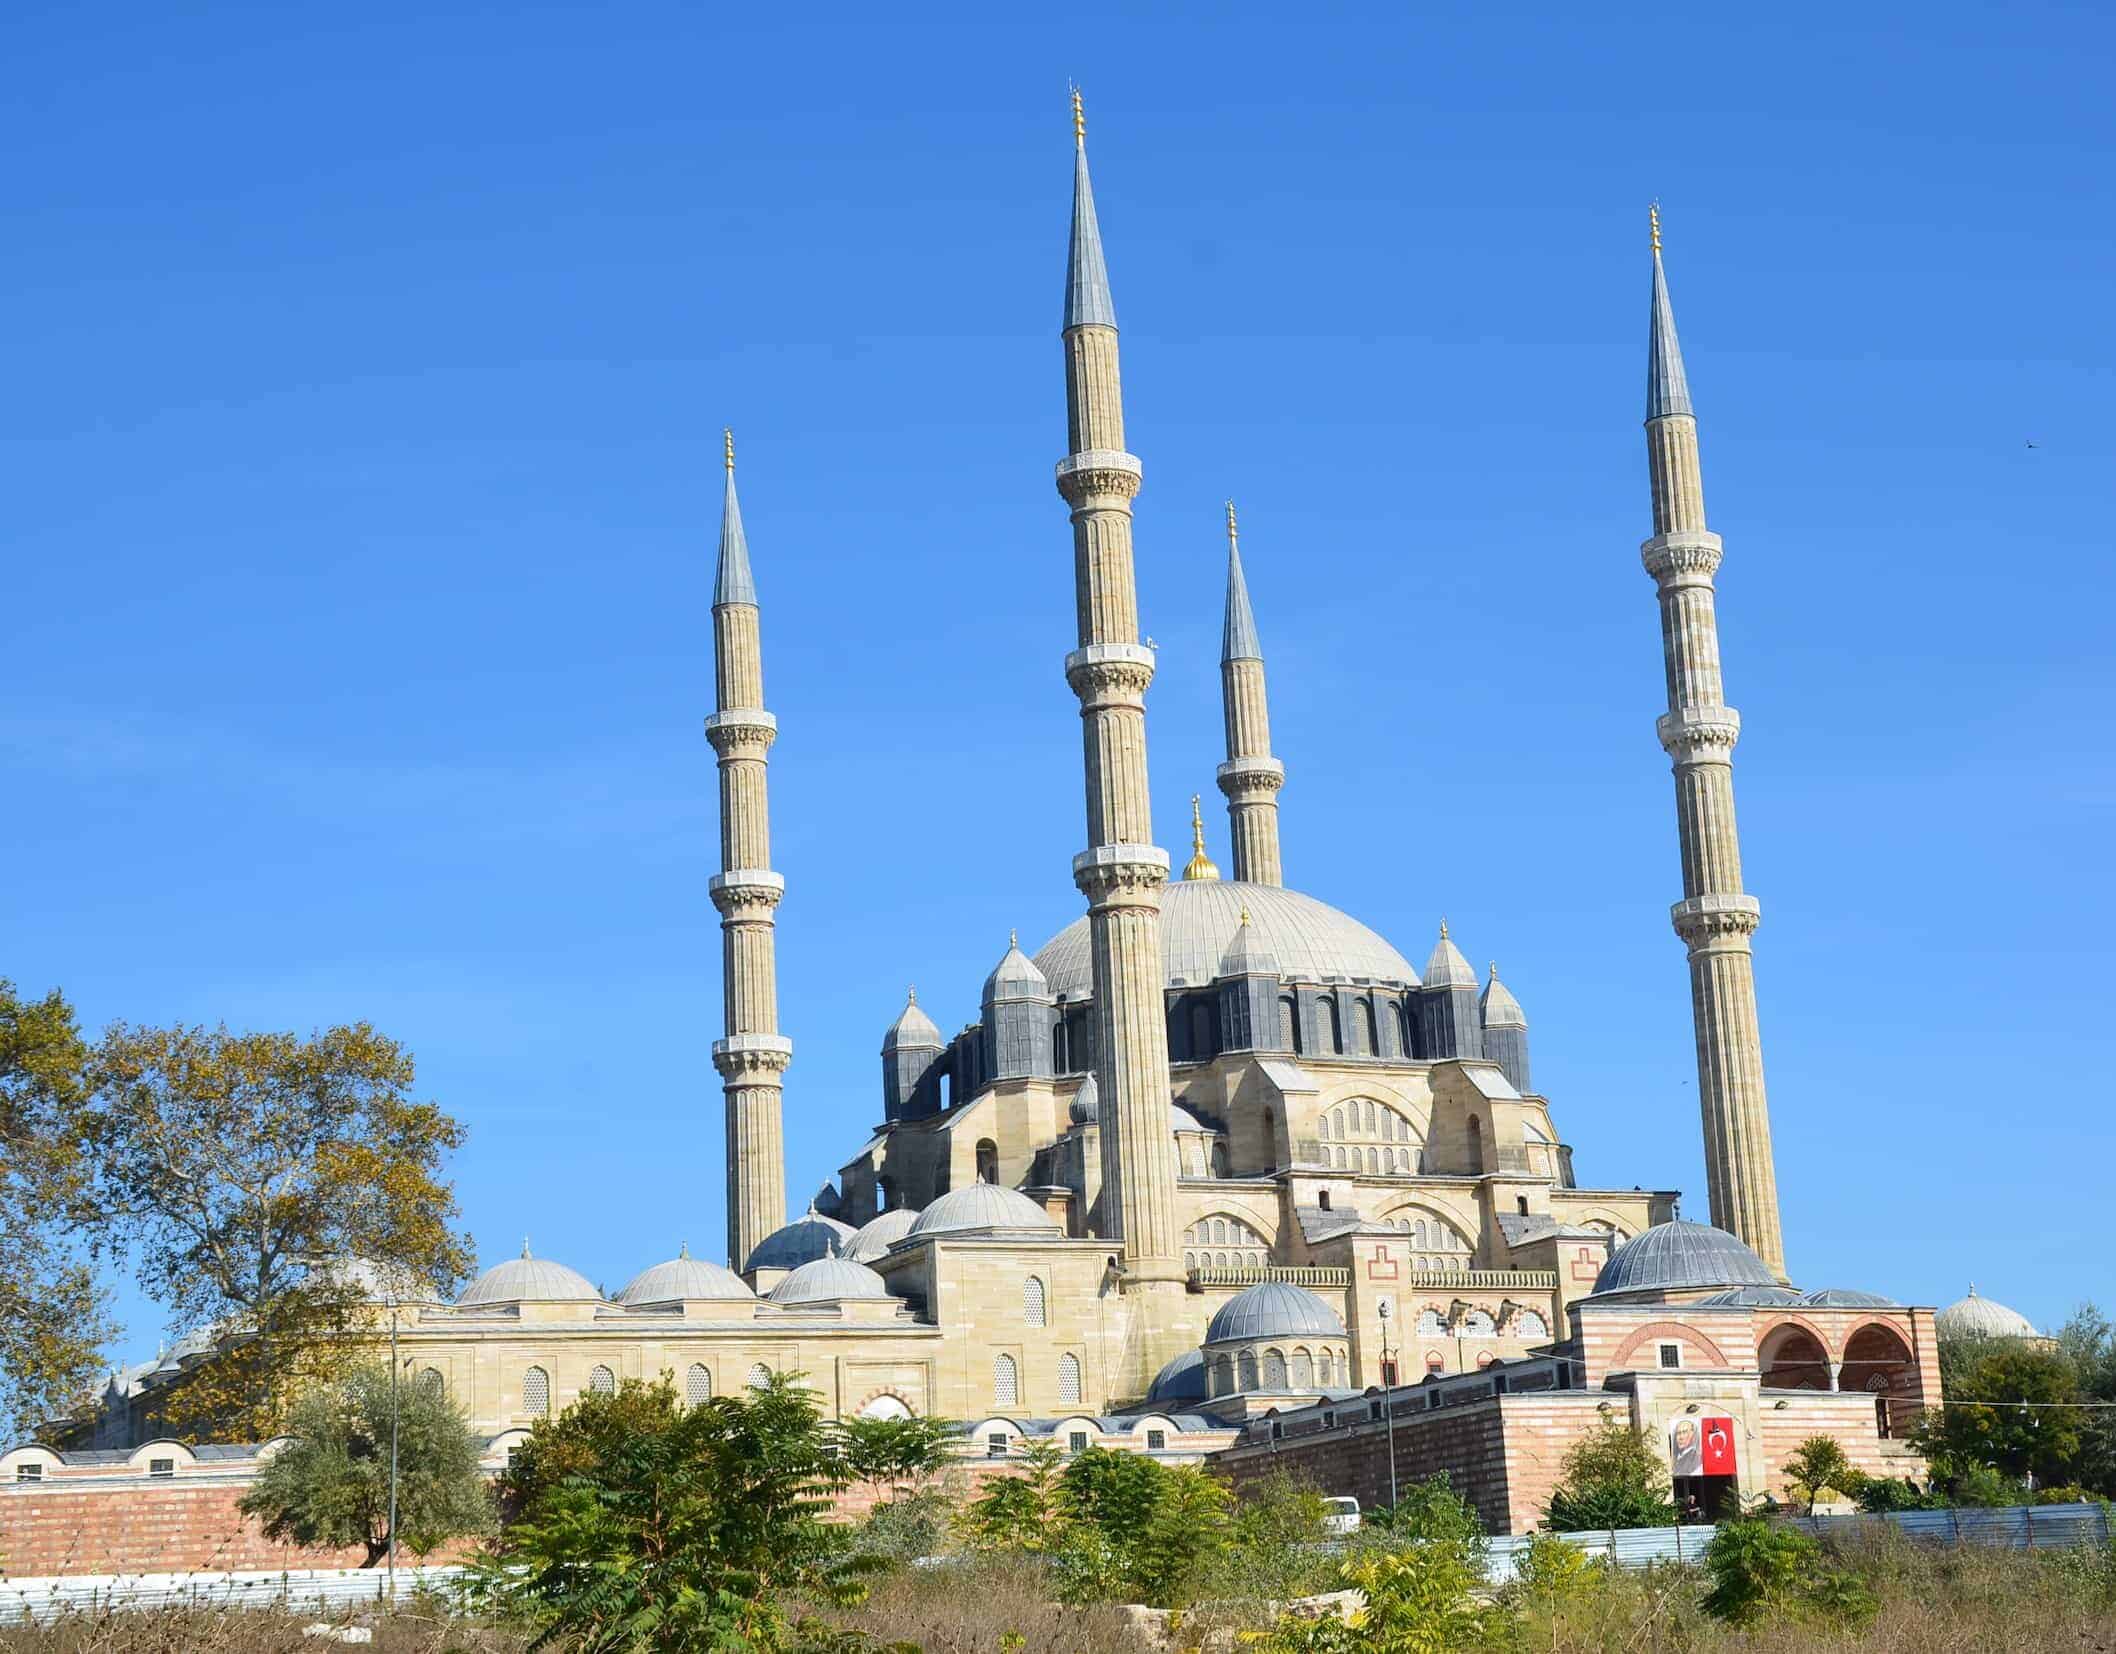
<point x="1443" y="930"/>
<point x="1201" y="865"/>
<point x="912" y="997"/>
<point x="1013" y="937"/>
<point x="1079" y="122"/>
<point x="1653" y="218"/>
<point x="1495" y="970"/>
<point x="1231" y="536"/>
<point x="728" y="431"/>
<point x="1245" y="913"/>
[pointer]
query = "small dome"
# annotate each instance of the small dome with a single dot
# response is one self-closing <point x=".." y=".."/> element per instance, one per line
<point x="1015" y="976"/>
<point x="527" y="1280"/>
<point x="684" y="1276"/>
<point x="1844" y="1297"/>
<point x="1756" y="1297"/>
<point x="1183" y="1379"/>
<point x="1086" y="1107"/>
<point x="1979" y="1317"/>
<point x="876" y="1236"/>
<point x="1680" y="1256"/>
<point x="1181" y="1119"/>
<point x="1274" y="1309"/>
<point x="1501" y="1009"/>
<point x="808" y="1237"/>
<point x="1447" y="968"/>
<point x="828" y="1281"/>
<point x="981" y="1207"/>
<point x="912" y="1030"/>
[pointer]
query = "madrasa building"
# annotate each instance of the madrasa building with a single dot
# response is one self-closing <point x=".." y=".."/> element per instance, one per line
<point x="1217" y="1155"/>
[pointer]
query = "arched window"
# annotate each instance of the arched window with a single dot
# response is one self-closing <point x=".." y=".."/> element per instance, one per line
<point x="1403" y="1027"/>
<point x="759" y="1377"/>
<point x="1369" y="1035"/>
<point x="1333" y="1024"/>
<point x="601" y="1381"/>
<point x="885" y="1194"/>
<point x="1437" y="1246"/>
<point x="1069" y="1380"/>
<point x="1477" y="1323"/>
<point x="1430" y="1325"/>
<point x="1366" y="1120"/>
<point x="1476" y="1146"/>
<point x="432" y="1383"/>
<point x="1274" y="1369"/>
<point x="1006" y="1382"/>
<point x="1219" y="1162"/>
<point x="1225" y="1229"/>
<point x="1289" y="1024"/>
<point x="698" y="1384"/>
<point x="886" y="1407"/>
<point x="536" y="1392"/>
<point x="1202" y="1043"/>
<point x="1245" y="1370"/>
<point x="987" y="1160"/>
<point x="1032" y="1301"/>
<point x="1528" y="1324"/>
<point x="1303" y="1370"/>
<point x="1061" y="1048"/>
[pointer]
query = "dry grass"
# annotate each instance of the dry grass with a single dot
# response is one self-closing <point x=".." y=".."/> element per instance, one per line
<point x="975" y="1608"/>
<point x="248" y="1631"/>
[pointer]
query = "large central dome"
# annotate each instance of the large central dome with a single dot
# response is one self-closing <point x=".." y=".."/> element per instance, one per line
<point x="1310" y="941"/>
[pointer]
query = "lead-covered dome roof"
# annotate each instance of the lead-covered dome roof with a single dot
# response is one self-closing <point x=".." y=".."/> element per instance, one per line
<point x="986" y="1208"/>
<point x="527" y="1280"/>
<point x="1681" y="1256"/>
<point x="1979" y="1317"/>
<point x="878" y="1234"/>
<point x="808" y="1237"/>
<point x="1199" y="918"/>
<point x="1273" y="1309"/>
<point x="828" y="1281"/>
<point x="1183" y="1379"/>
<point x="684" y="1277"/>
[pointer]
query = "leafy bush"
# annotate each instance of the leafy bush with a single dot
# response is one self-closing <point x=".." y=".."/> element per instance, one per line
<point x="1818" y="1466"/>
<point x="1760" y="1567"/>
<point x="1419" y="1600"/>
<point x="1881" y="1494"/>
<point x="1612" y="1479"/>
<point x="1430" y="1509"/>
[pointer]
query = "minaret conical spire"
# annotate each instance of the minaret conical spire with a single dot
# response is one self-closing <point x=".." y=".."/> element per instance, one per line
<point x="1251" y="777"/>
<point x="1716" y="916"/>
<point x="1087" y="300"/>
<point x="753" y="1055"/>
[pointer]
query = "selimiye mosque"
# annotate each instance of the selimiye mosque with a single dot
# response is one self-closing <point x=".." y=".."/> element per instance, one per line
<point x="1217" y="1149"/>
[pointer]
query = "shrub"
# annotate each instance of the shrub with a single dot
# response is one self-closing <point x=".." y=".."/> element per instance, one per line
<point x="1419" y="1600"/>
<point x="1430" y="1509"/>
<point x="1760" y="1567"/>
<point x="1881" y="1494"/>
<point x="1612" y="1479"/>
<point x="1818" y="1466"/>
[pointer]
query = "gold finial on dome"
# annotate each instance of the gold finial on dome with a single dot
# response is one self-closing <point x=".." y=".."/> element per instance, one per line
<point x="1079" y="122"/>
<point x="1653" y="219"/>
<point x="1443" y="930"/>
<point x="1201" y="865"/>
<point x="1495" y="970"/>
<point x="1013" y="937"/>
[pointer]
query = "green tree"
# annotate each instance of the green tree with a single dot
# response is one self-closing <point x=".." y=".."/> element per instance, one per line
<point x="1023" y="1512"/>
<point x="1429" y="1509"/>
<point x="2089" y="1342"/>
<point x="1612" y="1479"/>
<point x="890" y="1455"/>
<point x="685" y="1527"/>
<point x="1818" y="1466"/>
<point x="2010" y="1407"/>
<point x="1759" y="1567"/>
<point x="1186" y="1531"/>
<point x="329" y="1488"/>
<point x="54" y="1315"/>
<point x="243" y="1172"/>
<point x="1419" y="1600"/>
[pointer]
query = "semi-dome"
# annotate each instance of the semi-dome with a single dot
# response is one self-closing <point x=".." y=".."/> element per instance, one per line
<point x="1199" y="919"/>
<point x="912" y="1029"/>
<point x="828" y="1281"/>
<point x="528" y="1280"/>
<point x="1015" y="976"/>
<point x="878" y="1234"/>
<point x="1273" y="1309"/>
<point x="1844" y="1297"/>
<point x="979" y="1207"/>
<point x="1086" y="1106"/>
<point x="681" y="1277"/>
<point x="1181" y="1119"/>
<point x="1183" y="1379"/>
<point x="1979" y="1317"/>
<point x="1682" y="1256"/>
<point x="808" y="1237"/>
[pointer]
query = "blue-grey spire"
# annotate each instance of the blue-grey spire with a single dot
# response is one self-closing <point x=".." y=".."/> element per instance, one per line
<point x="1238" y="639"/>
<point x="1667" y="390"/>
<point x="1087" y="300"/>
<point x="733" y="583"/>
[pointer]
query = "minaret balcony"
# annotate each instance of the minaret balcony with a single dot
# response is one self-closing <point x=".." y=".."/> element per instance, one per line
<point x="1099" y="472"/>
<point x="1687" y="557"/>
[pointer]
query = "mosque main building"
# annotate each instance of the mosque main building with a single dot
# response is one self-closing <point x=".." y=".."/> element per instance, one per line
<point x="1217" y="1165"/>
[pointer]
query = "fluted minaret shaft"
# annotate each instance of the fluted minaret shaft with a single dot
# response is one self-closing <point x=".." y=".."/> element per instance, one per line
<point x="1251" y="777"/>
<point x="1121" y="871"/>
<point x="752" y="1058"/>
<point x="1715" y="918"/>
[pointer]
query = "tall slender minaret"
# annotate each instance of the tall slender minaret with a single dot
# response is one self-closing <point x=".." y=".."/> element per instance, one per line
<point x="1251" y="777"/>
<point x="1715" y="918"/>
<point x="1121" y="871"/>
<point x="753" y="1056"/>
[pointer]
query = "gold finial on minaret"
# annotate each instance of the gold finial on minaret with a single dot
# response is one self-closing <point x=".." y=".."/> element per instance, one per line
<point x="1201" y="865"/>
<point x="1079" y="122"/>
<point x="1653" y="218"/>
<point x="1233" y="539"/>
<point x="728" y="431"/>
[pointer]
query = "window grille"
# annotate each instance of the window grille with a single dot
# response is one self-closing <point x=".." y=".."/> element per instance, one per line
<point x="1077" y="1441"/>
<point x="1671" y="1355"/>
<point x="432" y="1382"/>
<point x="1156" y="1441"/>
<point x="1069" y="1380"/>
<point x="698" y="1384"/>
<point x="1006" y="1382"/>
<point x="759" y="1377"/>
<point x="996" y="1445"/>
<point x="602" y="1382"/>
<point x="161" y="1467"/>
<point x="536" y="1392"/>
<point x="29" y="1473"/>
<point x="1032" y="1301"/>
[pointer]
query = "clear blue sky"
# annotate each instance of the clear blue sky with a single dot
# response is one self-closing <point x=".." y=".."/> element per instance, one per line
<point x="365" y="377"/>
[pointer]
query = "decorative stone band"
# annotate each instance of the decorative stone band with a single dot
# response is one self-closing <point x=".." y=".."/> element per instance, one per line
<point x="1717" y="923"/>
<point x="1240" y="775"/>
<point x="744" y="1056"/>
<point x="1110" y="674"/>
<point x="746" y="887"/>
<point x="741" y="726"/>
<point x="1121" y="875"/>
<point x="1700" y="734"/>
<point x="1099" y="473"/>
<point x="1686" y="558"/>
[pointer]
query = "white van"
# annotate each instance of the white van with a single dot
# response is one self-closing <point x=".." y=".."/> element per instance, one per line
<point x="1340" y="1517"/>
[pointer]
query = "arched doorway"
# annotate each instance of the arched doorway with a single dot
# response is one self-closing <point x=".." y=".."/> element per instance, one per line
<point x="1878" y="1362"/>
